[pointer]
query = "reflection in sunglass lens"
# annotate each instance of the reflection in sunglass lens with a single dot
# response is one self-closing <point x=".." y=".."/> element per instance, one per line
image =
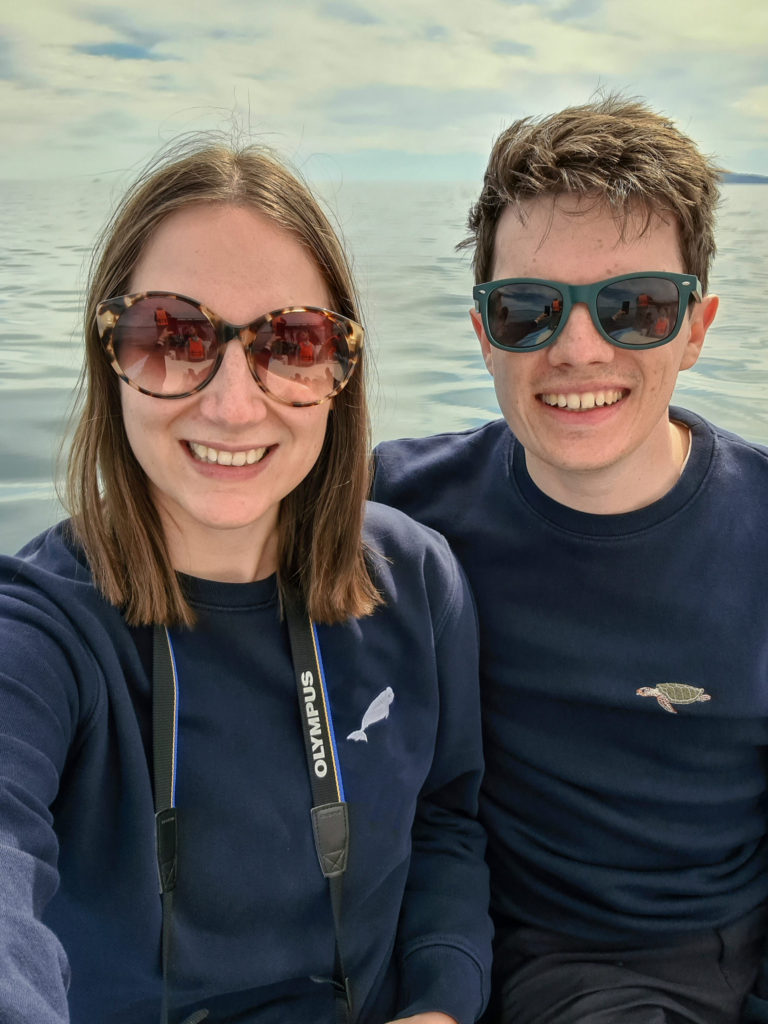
<point x="165" y="345"/>
<point x="639" y="310"/>
<point x="168" y="347"/>
<point x="301" y="356"/>
<point x="524" y="314"/>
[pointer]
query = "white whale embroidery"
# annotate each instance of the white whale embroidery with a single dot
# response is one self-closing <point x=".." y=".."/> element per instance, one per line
<point x="378" y="709"/>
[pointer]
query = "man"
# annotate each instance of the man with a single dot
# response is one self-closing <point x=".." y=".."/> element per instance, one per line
<point x="617" y="549"/>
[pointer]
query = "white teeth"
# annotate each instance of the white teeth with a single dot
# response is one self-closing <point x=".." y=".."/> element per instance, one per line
<point x="227" y="458"/>
<point x="574" y="400"/>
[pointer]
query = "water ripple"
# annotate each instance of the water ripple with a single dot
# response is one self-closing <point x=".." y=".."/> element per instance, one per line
<point x="416" y="292"/>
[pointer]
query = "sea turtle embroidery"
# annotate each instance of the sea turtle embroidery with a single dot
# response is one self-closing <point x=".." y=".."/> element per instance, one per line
<point x="668" y="694"/>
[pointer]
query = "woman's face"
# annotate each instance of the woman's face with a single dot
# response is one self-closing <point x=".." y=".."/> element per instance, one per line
<point x="220" y="518"/>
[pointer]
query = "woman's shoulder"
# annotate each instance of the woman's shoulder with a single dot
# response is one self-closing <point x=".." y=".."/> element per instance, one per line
<point x="392" y="532"/>
<point x="408" y="557"/>
<point x="47" y="585"/>
<point x="58" y="636"/>
<point x="52" y="561"/>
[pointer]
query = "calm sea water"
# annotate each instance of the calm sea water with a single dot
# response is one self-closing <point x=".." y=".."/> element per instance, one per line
<point x="416" y="294"/>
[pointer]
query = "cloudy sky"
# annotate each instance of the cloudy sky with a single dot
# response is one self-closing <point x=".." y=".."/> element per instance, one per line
<point x="360" y="89"/>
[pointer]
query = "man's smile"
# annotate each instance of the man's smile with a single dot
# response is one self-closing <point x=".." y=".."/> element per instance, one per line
<point x="574" y="400"/>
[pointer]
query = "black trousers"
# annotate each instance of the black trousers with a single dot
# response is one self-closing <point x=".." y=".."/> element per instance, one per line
<point x="544" y="978"/>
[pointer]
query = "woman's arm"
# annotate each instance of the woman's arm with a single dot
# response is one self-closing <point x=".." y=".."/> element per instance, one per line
<point x="444" y="938"/>
<point x="38" y="713"/>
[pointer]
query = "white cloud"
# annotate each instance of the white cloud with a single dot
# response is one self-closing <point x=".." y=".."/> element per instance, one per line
<point x="754" y="103"/>
<point x="88" y="88"/>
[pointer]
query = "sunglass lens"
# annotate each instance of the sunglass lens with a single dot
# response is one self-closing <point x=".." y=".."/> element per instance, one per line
<point x="523" y="315"/>
<point x="302" y="356"/>
<point x="165" y="345"/>
<point x="639" y="310"/>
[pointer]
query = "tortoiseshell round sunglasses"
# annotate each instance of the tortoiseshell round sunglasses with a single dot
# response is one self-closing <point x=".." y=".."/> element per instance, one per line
<point x="170" y="346"/>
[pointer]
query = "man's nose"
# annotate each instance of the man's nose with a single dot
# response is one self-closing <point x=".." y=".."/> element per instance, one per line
<point x="580" y="342"/>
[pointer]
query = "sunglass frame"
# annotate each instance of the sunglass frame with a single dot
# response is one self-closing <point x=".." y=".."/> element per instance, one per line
<point x="688" y="287"/>
<point x="109" y="311"/>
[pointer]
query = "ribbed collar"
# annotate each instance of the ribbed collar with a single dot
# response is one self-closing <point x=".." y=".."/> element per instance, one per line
<point x="703" y="442"/>
<point x="213" y="594"/>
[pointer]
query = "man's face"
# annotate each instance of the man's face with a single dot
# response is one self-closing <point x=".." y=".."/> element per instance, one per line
<point x="626" y="441"/>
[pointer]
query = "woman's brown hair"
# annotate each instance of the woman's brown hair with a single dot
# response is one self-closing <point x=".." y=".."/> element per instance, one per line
<point x="320" y="546"/>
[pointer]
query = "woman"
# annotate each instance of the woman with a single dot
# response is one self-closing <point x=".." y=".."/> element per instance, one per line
<point x="212" y="489"/>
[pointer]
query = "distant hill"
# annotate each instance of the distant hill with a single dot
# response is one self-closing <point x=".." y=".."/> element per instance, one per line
<point x="733" y="178"/>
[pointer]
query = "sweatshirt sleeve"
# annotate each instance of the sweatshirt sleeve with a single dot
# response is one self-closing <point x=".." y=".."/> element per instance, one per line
<point x="755" y="1010"/>
<point x="445" y="932"/>
<point x="38" y="713"/>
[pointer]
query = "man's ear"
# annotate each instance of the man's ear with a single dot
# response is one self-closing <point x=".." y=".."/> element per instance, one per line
<point x="485" y="345"/>
<point x="701" y="320"/>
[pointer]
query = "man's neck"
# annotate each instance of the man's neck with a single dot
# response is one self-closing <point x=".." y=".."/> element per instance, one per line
<point x="625" y="486"/>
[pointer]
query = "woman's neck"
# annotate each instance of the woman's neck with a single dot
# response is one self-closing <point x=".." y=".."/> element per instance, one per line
<point x="233" y="555"/>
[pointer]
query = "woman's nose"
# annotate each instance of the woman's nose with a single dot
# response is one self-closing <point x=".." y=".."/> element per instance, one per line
<point x="234" y="394"/>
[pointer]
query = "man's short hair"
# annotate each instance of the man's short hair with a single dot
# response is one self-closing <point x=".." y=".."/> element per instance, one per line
<point x="615" y="150"/>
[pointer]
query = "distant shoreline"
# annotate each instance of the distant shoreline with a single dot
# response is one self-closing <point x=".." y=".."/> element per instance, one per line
<point x="734" y="178"/>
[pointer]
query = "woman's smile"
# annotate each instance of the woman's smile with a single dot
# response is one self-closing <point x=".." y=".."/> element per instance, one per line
<point x="226" y="456"/>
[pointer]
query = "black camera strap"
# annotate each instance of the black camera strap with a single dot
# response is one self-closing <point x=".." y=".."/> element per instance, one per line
<point x="330" y="825"/>
<point x="165" y="721"/>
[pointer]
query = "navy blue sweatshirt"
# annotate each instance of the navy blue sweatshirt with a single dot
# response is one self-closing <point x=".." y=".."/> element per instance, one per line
<point x="252" y="924"/>
<point x="624" y="680"/>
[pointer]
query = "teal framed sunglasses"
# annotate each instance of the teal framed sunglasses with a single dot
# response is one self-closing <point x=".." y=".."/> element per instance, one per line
<point x="636" y="311"/>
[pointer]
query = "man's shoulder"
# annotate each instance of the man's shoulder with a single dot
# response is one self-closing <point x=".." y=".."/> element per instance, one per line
<point x="736" y="443"/>
<point x="729" y="444"/>
<point x="444" y="447"/>
<point x="432" y="478"/>
<point x="437" y="461"/>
